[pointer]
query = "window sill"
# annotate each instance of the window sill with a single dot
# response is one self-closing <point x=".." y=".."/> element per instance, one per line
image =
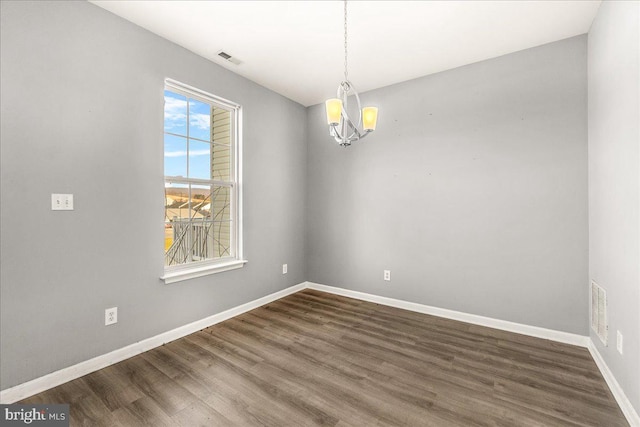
<point x="191" y="273"/>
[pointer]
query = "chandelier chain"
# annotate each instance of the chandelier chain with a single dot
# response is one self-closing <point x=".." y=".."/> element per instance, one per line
<point x="345" y="41"/>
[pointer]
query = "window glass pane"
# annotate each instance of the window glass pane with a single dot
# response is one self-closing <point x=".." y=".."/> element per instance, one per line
<point x="176" y="226"/>
<point x="175" y="155"/>
<point x="200" y="202"/>
<point x="199" y="120"/>
<point x="222" y="239"/>
<point x="221" y="203"/>
<point x="199" y="159"/>
<point x="201" y="240"/>
<point x="175" y="113"/>
<point x="176" y="198"/>
<point x="221" y="162"/>
<point x="178" y="252"/>
<point x="221" y="126"/>
<point x="201" y="224"/>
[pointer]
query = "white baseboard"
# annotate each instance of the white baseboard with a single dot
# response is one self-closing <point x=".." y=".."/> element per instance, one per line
<point x="62" y="376"/>
<point x="534" y="331"/>
<point x="622" y="399"/>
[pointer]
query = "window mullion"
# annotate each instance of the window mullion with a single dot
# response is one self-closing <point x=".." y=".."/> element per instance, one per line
<point x="188" y="140"/>
<point x="189" y="229"/>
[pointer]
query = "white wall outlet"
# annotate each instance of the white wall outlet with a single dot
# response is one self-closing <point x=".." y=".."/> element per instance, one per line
<point x="62" y="202"/>
<point x="387" y="275"/>
<point x="284" y="268"/>
<point x="619" y="342"/>
<point x="111" y="316"/>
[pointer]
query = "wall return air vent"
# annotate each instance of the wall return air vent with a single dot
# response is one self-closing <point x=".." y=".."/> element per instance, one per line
<point x="224" y="55"/>
<point x="599" y="319"/>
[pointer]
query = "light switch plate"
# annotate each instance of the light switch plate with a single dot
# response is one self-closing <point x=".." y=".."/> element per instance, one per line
<point x="62" y="202"/>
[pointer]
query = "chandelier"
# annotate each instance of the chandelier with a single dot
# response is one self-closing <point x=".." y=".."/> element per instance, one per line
<point x="341" y="126"/>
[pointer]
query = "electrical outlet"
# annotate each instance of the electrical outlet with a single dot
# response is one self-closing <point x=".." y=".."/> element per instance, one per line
<point x="619" y="342"/>
<point x="284" y="268"/>
<point x="387" y="275"/>
<point x="111" y="316"/>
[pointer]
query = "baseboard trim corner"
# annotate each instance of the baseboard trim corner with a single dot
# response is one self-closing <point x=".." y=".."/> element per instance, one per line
<point x="534" y="331"/>
<point x="618" y="393"/>
<point x="38" y="385"/>
<point x="559" y="336"/>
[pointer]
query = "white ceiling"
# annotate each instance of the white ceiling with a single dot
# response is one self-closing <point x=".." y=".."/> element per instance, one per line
<point x="296" y="47"/>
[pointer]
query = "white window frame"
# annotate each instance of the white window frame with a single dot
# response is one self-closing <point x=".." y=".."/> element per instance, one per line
<point x="176" y="273"/>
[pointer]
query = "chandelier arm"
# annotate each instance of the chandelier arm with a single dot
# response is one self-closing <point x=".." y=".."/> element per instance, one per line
<point x="348" y="131"/>
<point x="355" y="132"/>
<point x="346" y="137"/>
<point x="344" y="88"/>
<point x="355" y="93"/>
<point x="342" y="140"/>
<point x="345" y="130"/>
<point x="349" y="128"/>
<point x="335" y="133"/>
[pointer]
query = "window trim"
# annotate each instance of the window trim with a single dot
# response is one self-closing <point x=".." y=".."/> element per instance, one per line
<point x="192" y="270"/>
<point x="202" y="269"/>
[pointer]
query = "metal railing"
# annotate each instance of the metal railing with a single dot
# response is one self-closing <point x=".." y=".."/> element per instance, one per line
<point x="190" y="242"/>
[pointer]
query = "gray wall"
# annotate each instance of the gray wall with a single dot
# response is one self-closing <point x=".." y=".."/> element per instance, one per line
<point x="473" y="191"/>
<point x="614" y="182"/>
<point x="82" y="113"/>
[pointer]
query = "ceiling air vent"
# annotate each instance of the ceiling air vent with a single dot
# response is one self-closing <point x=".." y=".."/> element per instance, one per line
<point x="224" y="55"/>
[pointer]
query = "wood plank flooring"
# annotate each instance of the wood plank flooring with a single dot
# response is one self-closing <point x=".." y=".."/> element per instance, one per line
<point x="319" y="359"/>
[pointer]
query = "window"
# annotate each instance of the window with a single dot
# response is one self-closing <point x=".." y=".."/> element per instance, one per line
<point x="202" y="229"/>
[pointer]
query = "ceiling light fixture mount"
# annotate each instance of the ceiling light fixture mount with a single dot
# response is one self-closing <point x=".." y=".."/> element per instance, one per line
<point x="341" y="126"/>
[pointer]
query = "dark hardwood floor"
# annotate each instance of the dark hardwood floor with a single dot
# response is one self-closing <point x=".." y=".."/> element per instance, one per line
<point x="316" y="358"/>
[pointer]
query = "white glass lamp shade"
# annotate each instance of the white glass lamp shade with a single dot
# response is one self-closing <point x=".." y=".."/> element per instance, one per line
<point x="334" y="110"/>
<point x="369" y="118"/>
